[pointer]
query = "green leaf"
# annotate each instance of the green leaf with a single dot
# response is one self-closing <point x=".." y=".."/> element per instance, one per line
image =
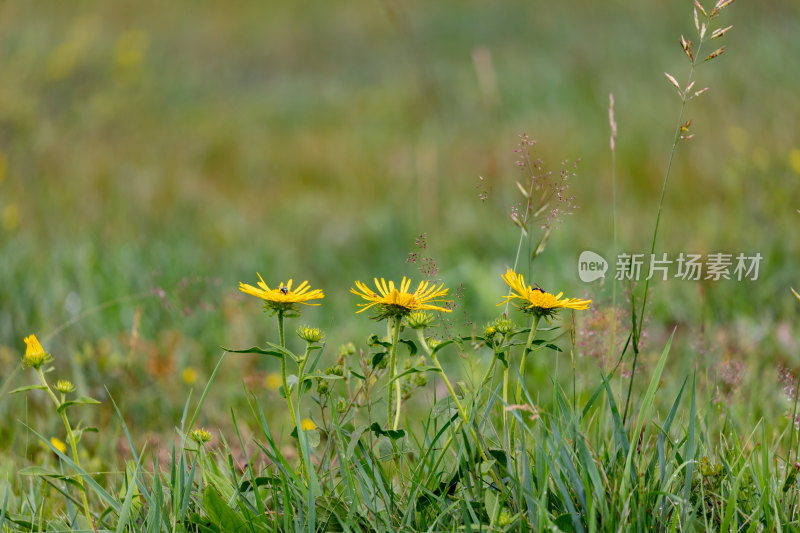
<point x="29" y="387"/>
<point x="38" y="471"/>
<point x="219" y="512"/>
<point x="374" y="340"/>
<point x="412" y="346"/>
<point x="84" y="400"/>
<point x="564" y="523"/>
<point x="311" y="377"/>
<point x="261" y="481"/>
<point x="355" y="436"/>
<point x="44" y="472"/>
<point x="257" y="350"/>
<point x="414" y="371"/>
<point x="393" y="434"/>
<point x="378" y="357"/>
<point x="126" y="505"/>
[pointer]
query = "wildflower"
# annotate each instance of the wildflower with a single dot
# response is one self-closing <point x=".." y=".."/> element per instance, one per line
<point x="58" y="444"/>
<point x="189" y="375"/>
<point x="535" y="300"/>
<point x="307" y="424"/>
<point x="64" y="386"/>
<point x="394" y="302"/>
<point x="201" y="435"/>
<point x="273" y="381"/>
<point x="419" y="320"/>
<point x="283" y="298"/>
<point x="35" y="356"/>
<point x="309" y="334"/>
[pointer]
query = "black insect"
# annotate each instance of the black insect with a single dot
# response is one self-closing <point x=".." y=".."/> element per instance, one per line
<point x="284" y="290"/>
<point x="538" y="288"/>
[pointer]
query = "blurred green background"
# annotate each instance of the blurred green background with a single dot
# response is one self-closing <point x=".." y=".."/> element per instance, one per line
<point x="153" y="155"/>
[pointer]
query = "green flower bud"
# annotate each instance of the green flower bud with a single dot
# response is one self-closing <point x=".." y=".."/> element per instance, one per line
<point x="65" y="387"/>
<point x="419" y="319"/>
<point x="309" y="334"/>
<point x="201" y="435"/>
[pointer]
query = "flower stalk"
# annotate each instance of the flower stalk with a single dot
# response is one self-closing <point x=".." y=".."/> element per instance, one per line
<point x="394" y="333"/>
<point x="73" y="444"/>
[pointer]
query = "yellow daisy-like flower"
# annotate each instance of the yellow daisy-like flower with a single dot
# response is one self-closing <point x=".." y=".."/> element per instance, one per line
<point x="535" y="300"/>
<point x="394" y="302"/>
<point x="284" y="297"/>
<point x="307" y="424"/>
<point x="35" y="356"/>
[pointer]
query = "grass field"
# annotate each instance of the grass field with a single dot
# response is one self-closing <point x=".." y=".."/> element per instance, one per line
<point x="152" y="156"/>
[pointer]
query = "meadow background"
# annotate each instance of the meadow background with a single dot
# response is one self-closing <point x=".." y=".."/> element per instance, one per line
<point x="153" y="155"/>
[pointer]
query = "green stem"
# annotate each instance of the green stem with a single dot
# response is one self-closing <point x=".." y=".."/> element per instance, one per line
<point x="531" y="335"/>
<point x="286" y="391"/>
<point x="394" y="332"/>
<point x="505" y="400"/>
<point x="72" y="443"/>
<point x="518" y="396"/>
<point x="462" y="413"/>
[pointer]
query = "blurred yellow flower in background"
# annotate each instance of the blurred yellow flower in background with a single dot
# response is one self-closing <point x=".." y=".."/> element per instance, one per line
<point x="273" y="381"/>
<point x="189" y="375"/>
<point x="58" y="444"/>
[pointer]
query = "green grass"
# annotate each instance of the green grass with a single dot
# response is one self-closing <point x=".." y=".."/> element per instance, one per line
<point x="151" y="157"/>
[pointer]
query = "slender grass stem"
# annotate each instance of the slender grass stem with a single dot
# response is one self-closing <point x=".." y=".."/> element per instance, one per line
<point x="675" y="140"/>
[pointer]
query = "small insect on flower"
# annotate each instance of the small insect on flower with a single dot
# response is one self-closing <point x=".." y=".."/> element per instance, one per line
<point x="537" y="301"/>
<point x="284" y="290"/>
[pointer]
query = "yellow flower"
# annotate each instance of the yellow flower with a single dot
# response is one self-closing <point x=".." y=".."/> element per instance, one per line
<point x="535" y="300"/>
<point x="58" y="444"/>
<point x="189" y="375"/>
<point x="307" y="424"/>
<point x="394" y="302"/>
<point x="283" y="298"/>
<point x="35" y="356"/>
<point x="273" y="381"/>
